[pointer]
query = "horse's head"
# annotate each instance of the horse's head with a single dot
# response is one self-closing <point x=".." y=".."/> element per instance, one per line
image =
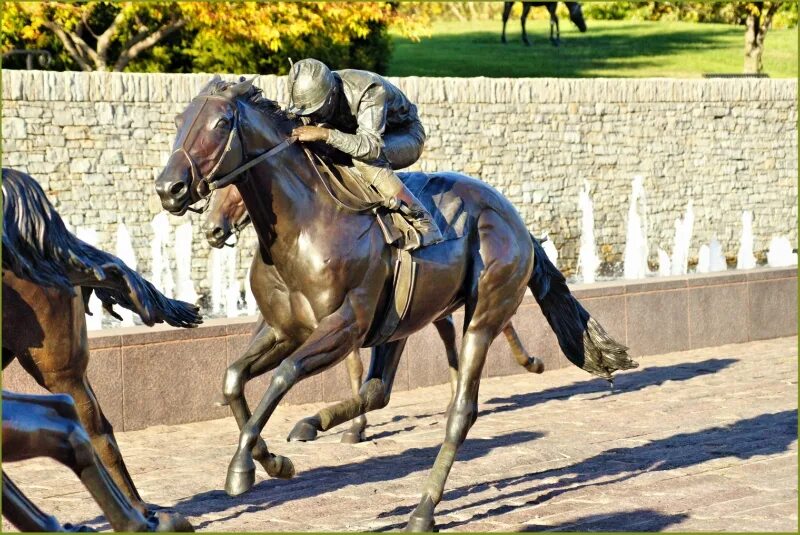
<point x="226" y="215"/>
<point x="576" y="15"/>
<point x="214" y="140"/>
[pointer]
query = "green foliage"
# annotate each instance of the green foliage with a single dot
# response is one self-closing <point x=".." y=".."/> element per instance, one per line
<point x="719" y="12"/>
<point x="205" y="37"/>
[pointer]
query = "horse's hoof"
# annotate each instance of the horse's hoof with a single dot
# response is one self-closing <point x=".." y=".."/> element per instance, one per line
<point x="241" y="476"/>
<point x="534" y="365"/>
<point x="170" y="523"/>
<point x="353" y="437"/>
<point x="421" y="524"/>
<point x="302" y="432"/>
<point x="280" y="467"/>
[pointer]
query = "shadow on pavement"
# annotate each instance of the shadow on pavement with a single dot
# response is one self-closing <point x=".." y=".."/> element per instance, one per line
<point x="767" y="434"/>
<point x="624" y="382"/>
<point x="636" y="520"/>
<point x="324" y="479"/>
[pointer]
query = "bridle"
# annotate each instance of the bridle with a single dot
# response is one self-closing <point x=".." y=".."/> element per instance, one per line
<point x="209" y="180"/>
<point x="243" y="221"/>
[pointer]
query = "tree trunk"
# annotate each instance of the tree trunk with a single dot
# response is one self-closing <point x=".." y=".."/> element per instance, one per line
<point x="758" y="23"/>
<point x="753" y="45"/>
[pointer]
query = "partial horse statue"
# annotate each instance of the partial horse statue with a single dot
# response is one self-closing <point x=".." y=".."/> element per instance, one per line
<point x="44" y="322"/>
<point x="326" y="282"/>
<point x="49" y="426"/>
<point x="575" y="15"/>
<point x="227" y="216"/>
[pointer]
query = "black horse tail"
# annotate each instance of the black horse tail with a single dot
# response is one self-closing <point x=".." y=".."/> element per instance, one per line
<point x="38" y="247"/>
<point x="582" y="339"/>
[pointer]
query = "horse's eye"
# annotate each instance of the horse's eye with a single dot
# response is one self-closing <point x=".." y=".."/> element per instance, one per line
<point x="222" y="123"/>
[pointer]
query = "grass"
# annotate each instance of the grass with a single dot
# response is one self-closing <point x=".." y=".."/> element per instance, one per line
<point x="608" y="49"/>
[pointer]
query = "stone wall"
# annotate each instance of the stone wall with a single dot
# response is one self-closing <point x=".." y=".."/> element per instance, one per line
<point x="96" y="141"/>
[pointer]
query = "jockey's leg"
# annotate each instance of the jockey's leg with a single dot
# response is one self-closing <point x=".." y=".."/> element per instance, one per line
<point x="401" y="148"/>
<point x="397" y="197"/>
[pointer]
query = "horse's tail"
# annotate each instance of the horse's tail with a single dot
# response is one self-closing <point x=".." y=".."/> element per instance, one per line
<point x="582" y="339"/>
<point x="38" y="247"/>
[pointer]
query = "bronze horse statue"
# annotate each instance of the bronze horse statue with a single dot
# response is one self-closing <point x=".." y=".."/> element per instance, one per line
<point x="325" y="275"/>
<point x="575" y="15"/>
<point x="44" y="322"/>
<point x="227" y="215"/>
<point x="49" y="426"/>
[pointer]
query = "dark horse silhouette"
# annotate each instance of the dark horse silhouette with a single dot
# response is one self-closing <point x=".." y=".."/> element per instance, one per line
<point x="575" y="15"/>
<point x="323" y="283"/>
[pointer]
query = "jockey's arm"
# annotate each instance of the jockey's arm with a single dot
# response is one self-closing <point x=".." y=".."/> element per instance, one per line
<point x="365" y="145"/>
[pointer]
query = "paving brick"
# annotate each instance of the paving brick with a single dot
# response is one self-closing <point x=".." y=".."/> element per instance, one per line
<point x="698" y="440"/>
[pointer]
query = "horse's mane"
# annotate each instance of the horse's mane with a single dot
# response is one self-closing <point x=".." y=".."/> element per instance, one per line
<point x="38" y="247"/>
<point x="255" y="97"/>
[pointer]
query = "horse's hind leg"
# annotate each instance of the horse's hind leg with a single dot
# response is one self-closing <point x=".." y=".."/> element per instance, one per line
<point x="532" y="364"/>
<point x="462" y="416"/>
<point x="373" y="394"/>
<point x="23" y="513"/>
<point x="355" y="371"/>
<point x="502" y="265"/>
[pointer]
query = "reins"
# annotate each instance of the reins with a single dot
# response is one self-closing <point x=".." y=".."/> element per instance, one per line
<point x="352" y="203"/>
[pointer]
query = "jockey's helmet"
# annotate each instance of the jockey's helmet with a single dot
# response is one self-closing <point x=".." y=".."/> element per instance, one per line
<point x="311" y="84"/>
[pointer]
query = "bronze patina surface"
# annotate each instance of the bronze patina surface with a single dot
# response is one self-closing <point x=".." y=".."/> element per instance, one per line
<point x="227" y="216"/>
<point x="326" y="273"/>
<point x="49" y="426"/>
<point x="48" y="275"/>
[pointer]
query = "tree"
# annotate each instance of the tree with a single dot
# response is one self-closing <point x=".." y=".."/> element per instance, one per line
<point x="98" y="36"/>
<point x="251" y="37"/>
<point x="758" y="21"/>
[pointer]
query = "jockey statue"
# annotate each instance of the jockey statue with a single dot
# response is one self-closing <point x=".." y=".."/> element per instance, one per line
<point x="372" y="121"/>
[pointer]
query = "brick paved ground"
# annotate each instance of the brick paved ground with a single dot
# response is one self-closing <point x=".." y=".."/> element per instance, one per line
<point x="691" y="441"/>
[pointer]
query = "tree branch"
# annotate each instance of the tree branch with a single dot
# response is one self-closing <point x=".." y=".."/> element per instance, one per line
<point x="104" y="39"/>
<point x="143" y="41"/>
<point x="68" y="43"/>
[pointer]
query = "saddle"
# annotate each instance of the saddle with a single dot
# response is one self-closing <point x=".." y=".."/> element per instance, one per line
<point x="351" y="192"/>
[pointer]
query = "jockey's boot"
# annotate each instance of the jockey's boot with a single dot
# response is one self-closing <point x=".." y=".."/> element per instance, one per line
<point x="398" y="198"/>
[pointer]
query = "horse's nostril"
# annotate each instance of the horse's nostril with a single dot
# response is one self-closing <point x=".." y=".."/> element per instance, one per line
<point x="217" y="232"/>
<point x="177" y="189"/>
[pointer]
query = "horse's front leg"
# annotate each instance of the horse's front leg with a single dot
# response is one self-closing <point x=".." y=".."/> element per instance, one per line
<point x="526" y="7"/>
<point x="554" y="24"/>
<point x="354" y="435"/>
<point x="506" y="12"/>
<point x="267" y="348"/>
<point x="335" y="337"/>
<point x="373" y="394"/>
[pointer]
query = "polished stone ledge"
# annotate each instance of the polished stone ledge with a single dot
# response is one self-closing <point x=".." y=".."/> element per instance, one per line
<point x="163" y="375"/>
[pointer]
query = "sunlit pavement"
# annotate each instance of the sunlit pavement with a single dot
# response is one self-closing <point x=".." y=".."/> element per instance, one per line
<point x="701" y="440"/>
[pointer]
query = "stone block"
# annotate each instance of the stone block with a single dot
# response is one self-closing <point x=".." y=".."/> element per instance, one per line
<point x="170" y="382"/>
<point x="718" y="315"/>
<point x="773" y="308"/>
<point x="657" y="322"/>
<point x="14" y="128"/>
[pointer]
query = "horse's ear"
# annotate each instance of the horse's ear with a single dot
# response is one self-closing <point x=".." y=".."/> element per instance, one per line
<point x="211" y="84"/>
<point x="241" y="88"/>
